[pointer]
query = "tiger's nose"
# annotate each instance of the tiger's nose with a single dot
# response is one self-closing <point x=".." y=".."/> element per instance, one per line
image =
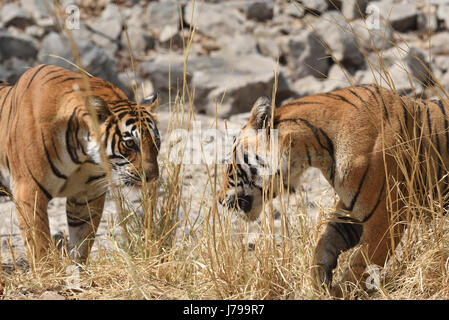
<point x="152" y="174"/>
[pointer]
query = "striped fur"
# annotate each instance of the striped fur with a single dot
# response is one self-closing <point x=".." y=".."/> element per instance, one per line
<point x="357" y="137"/>
<point x="50" y="149"/>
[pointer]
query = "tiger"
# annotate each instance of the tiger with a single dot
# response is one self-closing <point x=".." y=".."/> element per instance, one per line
<point x="52" y="147"/>
<point x="350" y="135"/>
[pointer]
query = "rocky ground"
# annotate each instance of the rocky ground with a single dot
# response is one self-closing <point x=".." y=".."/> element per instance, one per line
<point x="237" y="46"/>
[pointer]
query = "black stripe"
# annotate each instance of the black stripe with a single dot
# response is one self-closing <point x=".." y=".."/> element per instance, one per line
<point x="34" y="75"/>
<point x="72" y="153"/>
<point x="309" y="160"/>
<point x="55" y="170"/>
<point x="73" y="202"/>
<point x="383" y="102"/>
<point x="376" y="205"/>
<point x="41" y="187"/>
<point x="341" y="98"/>
<point x="93" y="178"/>
<point x="356" y="195"/>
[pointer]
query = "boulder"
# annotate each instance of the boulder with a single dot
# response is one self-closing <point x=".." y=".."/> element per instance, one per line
<point x="13" y="15"/>
<point x="353" y="9"/>
<point x="213" y="19"/>
<point x="339" y="39"/>
<point x="260" y="10"/>
<point x="20" y="46"/>
<point x="160" y="14"/>
<point x="305" y="55"/>
<point x="402" y="16"/>
<point x="439" y="43"/>
<point x="229" y="83"/>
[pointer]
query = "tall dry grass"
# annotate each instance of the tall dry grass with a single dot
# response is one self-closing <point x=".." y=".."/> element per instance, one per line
<point x="151" y="256"/>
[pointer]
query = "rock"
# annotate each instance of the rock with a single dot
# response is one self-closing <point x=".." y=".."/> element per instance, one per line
<point x="160" y="14"/>
<point x="339" y="37"/>
<point x="133" y="16"/>
<point x="231" y="82"/>
<point x="166" y="74"/>
<point x="310" y="85"/>
<point x="12" y="15"/>
<point x="294" y="9"/>
<point x="353" y="9"/>
<point x="260" y="11"/>
<point x="140" y="40"/>
<point x="427" y="19"/>
<point x="315" y="6"/>
<point x="55" y="44"/>
<point x="439" y="43"/>
<point x="372" y="39"/>
<point x="237" y="45"/>
<point x="418" y="64"/>
<point x="305" y="55"/>
<point x="404" y="82"/>
<point x="213" y="19"/>
<point x="38" y="9"/>
<point x="443" y="14"/>
<point x="20" y="46"/>
<point x="402" y="16"/>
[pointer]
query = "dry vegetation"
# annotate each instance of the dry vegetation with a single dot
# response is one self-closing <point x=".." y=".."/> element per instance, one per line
<point x="149" y="258"/>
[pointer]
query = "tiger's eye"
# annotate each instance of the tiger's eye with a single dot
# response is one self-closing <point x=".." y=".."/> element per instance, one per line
<point x="130" y="144"/>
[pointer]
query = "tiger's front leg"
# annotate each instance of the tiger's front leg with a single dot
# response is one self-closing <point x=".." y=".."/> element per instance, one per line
<point x="336" y="238"/>
<point x="31" y="204"/>
<point x="83" y="218"/>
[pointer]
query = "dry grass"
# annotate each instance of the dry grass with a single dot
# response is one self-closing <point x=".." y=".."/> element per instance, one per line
<point x="150" y="257"/>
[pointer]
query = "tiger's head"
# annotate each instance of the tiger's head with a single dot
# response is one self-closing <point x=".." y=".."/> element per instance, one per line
<point x="250" y="166"/>
<point x="130" y="138"/>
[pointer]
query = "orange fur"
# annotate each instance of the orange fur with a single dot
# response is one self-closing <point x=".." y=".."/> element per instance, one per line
<point x="50" y="149"/>
<point x="355" y="136"/>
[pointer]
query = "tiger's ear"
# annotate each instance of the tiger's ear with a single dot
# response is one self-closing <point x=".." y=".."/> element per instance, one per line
<point x="261" y="113"/>
<point x="100" y="106"/>
<point x="151" y="102"/>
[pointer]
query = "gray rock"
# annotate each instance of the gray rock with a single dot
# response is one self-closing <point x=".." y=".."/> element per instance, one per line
<point x="229" y="83"/>
<point x="140" y="40"/>
<point x="427" y="19"/>
<point x="213" y="19"/>
<point x="166" y="74"/>
<point x="160" y="14"/>
<point x="20" y="46"/>
<point x="260" y="11"/>
<point x="402" y="16"/>
<point x="305" y="55"/>
<point x="237" y="45"/>
<point x="372" y="39"/>
<point x="441" y="63"/>
<point x="294" y="9"/>
<point x="13" y="15"/>
<point x="419" y="66"/>
<point x="133" y="16"/>
<point x="107" y="29"/>
<point x="318" y="6"/>
<point x="439" y="43"/>
<point x="55" y="44"/>
<point x="443" y="14"/>
<point x="339" y="37"/>
<point x="353" y="9"/>
<point x="38" y="9"/>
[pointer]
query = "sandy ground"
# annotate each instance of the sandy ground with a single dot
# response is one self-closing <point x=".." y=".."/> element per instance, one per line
<point x="315" y="194"/>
